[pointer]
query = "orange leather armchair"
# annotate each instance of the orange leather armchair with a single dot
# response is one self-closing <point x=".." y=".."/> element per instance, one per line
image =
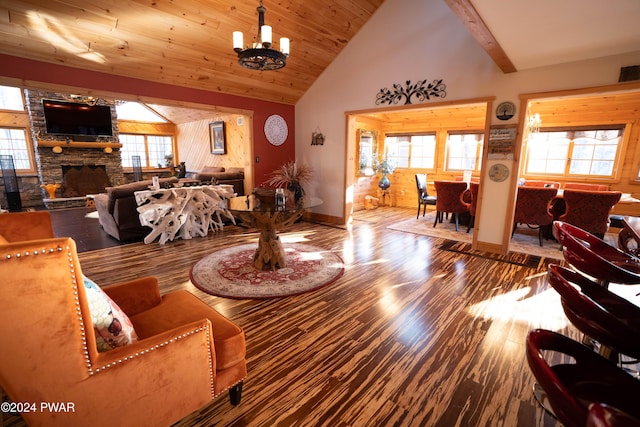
<point x="18" y="226"/>
<point x="589" y="210"/>
<point x="449" y="196"/>
<point x="186" y="353"/>
<point x="533" y="207"/>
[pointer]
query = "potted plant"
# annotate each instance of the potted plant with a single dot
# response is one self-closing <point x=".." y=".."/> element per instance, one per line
<point x="385" y="167"/>
<point x="292" y="177"/>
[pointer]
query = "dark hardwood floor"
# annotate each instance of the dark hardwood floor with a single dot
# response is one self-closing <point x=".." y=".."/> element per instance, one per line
<point x="417" y="332"/>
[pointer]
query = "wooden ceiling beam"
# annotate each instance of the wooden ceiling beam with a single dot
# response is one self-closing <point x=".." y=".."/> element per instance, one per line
<point x="471" y="19"/>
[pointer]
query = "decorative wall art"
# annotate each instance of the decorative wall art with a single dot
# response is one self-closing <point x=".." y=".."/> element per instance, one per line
<point x="217" y="138"/>
<point x="502" y="140"/>
<point x="422" y="93"/>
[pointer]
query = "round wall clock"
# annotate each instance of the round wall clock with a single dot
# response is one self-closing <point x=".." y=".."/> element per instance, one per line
<point x="498" y="172"/>
<point x="275" y="129"/>
<point x="505" y="110"/>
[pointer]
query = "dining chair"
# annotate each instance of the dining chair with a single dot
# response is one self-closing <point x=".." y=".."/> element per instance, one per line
<point x="579" y="379"/>
<point x="546" y="184"/>
<point x="533" y="206"/>
<point x="589" y="210"/>
<point x="583" y="186"/>
<point x="449" y="199"/>
<point x="473" y="192"/>
<point x="424" y="198"/>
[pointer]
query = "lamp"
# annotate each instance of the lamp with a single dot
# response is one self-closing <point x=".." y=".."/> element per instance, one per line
<point x="261" y="56"/>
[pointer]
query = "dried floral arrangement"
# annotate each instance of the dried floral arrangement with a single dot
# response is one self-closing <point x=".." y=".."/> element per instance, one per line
<point x="290" y="174"/>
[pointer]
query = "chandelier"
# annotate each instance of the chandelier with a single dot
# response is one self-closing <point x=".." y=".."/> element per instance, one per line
<point x="534" y="124"/>
<point x="260" y="56"/>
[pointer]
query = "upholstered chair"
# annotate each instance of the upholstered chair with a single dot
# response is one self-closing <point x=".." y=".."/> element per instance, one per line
<point x="589" y="210"/>
<point x="533" y="206"/>
<point x="424" y="198"/>
<point x="473" y="195"/>
<point x="171" y="354"/>
<point x="449" y="199"/>
<point x="583" y="186"/>
<point x="18" y="226"/>
<point x="546" y="184"/>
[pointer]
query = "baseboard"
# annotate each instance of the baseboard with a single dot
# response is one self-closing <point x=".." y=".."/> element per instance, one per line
<point x="323" y="219"/>
<point x="489" y="247"/>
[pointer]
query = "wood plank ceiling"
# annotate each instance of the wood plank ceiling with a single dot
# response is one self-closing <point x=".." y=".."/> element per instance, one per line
<point x="184" y="43"/>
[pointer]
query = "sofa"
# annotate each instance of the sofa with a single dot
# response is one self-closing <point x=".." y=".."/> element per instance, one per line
<point x="220" y="175"/>
<point x="117" y="210"/>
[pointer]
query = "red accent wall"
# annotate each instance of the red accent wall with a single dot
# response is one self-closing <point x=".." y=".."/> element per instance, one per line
<point x="271" y="157"/>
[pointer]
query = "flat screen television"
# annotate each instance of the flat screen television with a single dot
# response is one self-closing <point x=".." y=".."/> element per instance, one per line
<point x="72" y="118"/>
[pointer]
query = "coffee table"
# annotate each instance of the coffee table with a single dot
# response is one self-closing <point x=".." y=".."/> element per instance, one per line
<point x="183" y="212"/>
<point x="269" y="219"/>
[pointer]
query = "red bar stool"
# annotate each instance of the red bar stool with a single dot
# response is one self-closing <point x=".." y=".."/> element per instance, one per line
<point x="597" y="312"/>
<point x="596" y="258"/>
<point x="572" y="386"/>
<point x="601" y="415"/>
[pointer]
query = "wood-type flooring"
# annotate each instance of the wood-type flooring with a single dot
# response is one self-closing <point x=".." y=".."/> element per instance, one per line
<point x="417" y="332"/>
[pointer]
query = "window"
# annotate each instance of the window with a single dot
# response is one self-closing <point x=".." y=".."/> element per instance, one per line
<point x="464" y="151"/>
<point x="590" y="152"/>
<point x="13" y="142"/>
<point x="154" y="150"/>
<point x="11" y="98"/>
<point x="412" y="151"/>
<point x="137" y="112"/>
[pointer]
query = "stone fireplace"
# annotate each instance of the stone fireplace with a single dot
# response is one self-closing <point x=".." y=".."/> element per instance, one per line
<point x="78" y="181"/>
<point x="80" y="168"/>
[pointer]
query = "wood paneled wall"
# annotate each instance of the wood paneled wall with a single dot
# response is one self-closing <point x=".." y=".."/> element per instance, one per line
<point x="193" y="142"/>
<point x="618" y="108"/>
<point x="439" y="120"/>
<point x="194" y="145"/>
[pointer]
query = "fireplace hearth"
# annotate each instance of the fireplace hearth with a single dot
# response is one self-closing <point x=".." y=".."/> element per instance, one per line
<point x="78" y="181"/>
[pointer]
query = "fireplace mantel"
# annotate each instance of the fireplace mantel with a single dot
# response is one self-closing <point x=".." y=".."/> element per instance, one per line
<point x="77" y="144"/>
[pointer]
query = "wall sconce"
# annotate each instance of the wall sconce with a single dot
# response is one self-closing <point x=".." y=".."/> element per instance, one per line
<point x="108" y="150"/>
<point x="317" y="138"/>
<point x="57" y="149"/>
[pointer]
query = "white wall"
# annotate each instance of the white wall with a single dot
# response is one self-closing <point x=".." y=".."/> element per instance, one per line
<point x="414" y="40"/>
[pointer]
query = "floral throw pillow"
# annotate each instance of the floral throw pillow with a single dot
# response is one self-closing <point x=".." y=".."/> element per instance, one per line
<point x="112" y="326"/>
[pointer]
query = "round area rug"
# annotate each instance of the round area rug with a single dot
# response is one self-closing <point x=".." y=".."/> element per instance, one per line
<point x="230" y="272"/>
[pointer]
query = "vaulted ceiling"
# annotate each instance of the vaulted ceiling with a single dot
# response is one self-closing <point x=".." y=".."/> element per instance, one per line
<point x="188" y="42"/>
